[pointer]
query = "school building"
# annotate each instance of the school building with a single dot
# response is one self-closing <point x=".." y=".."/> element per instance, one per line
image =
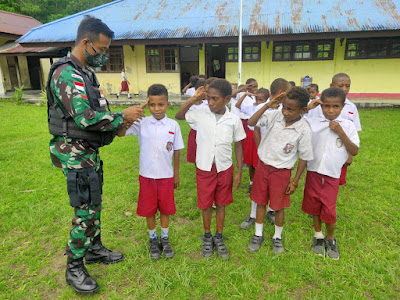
<point x="21" y="66"/>
<point x="168" y="41"/>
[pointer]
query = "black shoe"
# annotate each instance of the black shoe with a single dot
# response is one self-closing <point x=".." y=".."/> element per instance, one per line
<point x="154" y="248"/>
<point x="78" y="277"/>
<point x="98" y="253"/>
<point x="220" y="247"/>
<point x="207" y="247"/>
<point x="166" y="247"/>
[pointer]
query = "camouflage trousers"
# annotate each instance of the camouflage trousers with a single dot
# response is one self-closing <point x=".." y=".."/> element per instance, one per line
<point x="85" y="226"/>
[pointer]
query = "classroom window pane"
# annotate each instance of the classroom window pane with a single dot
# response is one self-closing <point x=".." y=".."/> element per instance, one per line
<point x="286" y="56"/>
<point x="278" y="56"/>
<point x="287" y="48"/>
<point x="278" y="49"/>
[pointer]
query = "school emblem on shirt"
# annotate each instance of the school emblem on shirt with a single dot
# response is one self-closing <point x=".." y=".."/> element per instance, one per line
<point x="169" y="146"/>
<point x="288" y="148"/>
<point x="339" y="142"/>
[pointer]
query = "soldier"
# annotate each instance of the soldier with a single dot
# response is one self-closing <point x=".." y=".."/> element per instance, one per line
<point x="80" y="124"/>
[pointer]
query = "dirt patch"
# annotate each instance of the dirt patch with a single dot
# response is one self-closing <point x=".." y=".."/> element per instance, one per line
<point x="301" y="291"/>
<point x="182" y="221"/>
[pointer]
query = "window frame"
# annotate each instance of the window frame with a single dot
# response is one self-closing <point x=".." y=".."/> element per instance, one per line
<point x="388" y="42"/>
<point x="163" y="63"/>
<point x="313" y="49"/>
<point x="245" y="45"/>
<point x="108" y="64"/>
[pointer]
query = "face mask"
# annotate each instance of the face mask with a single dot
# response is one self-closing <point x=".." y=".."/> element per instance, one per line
<point x="97" y="59"/>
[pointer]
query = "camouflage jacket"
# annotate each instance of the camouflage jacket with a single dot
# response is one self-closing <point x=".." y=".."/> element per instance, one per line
<point x="69" y="92"/>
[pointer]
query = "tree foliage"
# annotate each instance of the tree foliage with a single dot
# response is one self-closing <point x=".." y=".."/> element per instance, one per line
<point x="49" y="10"/>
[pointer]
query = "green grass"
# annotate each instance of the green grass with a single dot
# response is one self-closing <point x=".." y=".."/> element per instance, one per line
<point x="35" y="218"/>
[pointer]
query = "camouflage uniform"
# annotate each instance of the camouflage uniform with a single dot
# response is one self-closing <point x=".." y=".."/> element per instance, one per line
<point x="68" y="89"/>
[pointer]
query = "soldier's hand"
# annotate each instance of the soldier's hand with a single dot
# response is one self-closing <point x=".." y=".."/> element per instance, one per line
<point x="133" y="113"/>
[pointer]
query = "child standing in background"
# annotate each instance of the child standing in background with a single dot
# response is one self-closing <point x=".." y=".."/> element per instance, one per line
<point x="160" y="139"/>
<point x="124" y="84"/>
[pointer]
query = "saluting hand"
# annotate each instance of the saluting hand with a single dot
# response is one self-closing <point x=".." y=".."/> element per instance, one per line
<point x="133" y="113"/>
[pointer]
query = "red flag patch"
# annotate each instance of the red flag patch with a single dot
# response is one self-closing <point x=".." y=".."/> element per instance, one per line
<point x="171" y="132"/>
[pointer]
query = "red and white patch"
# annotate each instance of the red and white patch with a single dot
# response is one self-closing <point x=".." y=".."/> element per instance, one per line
<point x="169" y="146"/>
<point x="350" y="112"/>
<point x="79" y="86"/>
<point x="77" y="76"/>
<point x="170" y="132"/>
<point x="84" y="97"/>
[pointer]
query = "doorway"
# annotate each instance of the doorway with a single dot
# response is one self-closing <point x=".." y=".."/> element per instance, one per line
<point x="215" y="60"/>
<point x="189" y="61"/>
<point x="34" y="72"/>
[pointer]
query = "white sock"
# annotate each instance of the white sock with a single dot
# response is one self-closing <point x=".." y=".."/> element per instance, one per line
<point x="253" y="213"/>
<point x="278" y="232"/>
<point x="129" y="95"/>
<point x="259" y="229"/>
<point x="319" y="235"/>
<point x="269" y="209"/>
<point x="117" y="94"/>
<point x="152" y="233"/>
<point x="164" y="232"/>
<point x="251" y="182"/>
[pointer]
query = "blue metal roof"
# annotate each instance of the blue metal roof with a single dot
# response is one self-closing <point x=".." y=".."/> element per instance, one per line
<point x="172" y="19"/>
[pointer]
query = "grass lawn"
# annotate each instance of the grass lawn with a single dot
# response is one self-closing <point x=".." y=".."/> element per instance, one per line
<point x="35" y="218"/>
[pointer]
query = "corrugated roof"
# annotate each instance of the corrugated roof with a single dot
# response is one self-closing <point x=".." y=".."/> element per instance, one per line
<point x="12" y="48"/>
<point x="16" y="24"/>
<point x="172" y="19"/>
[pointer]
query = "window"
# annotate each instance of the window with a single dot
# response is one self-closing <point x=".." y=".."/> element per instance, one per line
<point x="250" y="52"/>
<point x="115" y="62"/>
<point x="162" y="59"/>
<point x="303" y="50"/>
<point x="373" y="48"/>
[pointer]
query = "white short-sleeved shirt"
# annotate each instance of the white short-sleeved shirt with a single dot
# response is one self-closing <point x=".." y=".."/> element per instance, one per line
<point x="123" y="76"/>
<point x="330" y="153"/>
<point x="280" y="145"/>
<point x="190" y="91"/>
<point x="157" y="141"/>
<point x="248" y="100"/>
<point x="349" y="112"/>
<point x="214" y="138"/>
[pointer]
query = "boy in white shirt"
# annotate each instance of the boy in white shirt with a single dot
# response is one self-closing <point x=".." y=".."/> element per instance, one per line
<point x="217" y="128"/>
<point x="288" y="137"/>
<point x="333" y="139"/>
<point x="349" y="112"/>
<point x="160" y="139"/>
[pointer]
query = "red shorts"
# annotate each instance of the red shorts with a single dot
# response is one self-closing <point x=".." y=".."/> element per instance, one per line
<point x="250" y="156"/>
<point x="191" y="147"/>
<point x="214" y="187"/>
<point x="246" y="129"/>
<point x="156" y="194"/>
<point x="124" y="87"/>
<point x="343" y="176"/>
<point x="270" y="184"/>
<point x="320" y="195"/>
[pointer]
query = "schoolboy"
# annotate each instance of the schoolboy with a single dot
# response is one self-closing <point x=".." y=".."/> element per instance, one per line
<point x="349" y="112"/>
<point x="217" y="128"/>
<point x="288" y="137"/>
<point x="189" y="89"/>
<point x="313" y="90"/>
<point x="333" y="139"/>
<point x="278" y="87"/>
<point x="160" y="139"/>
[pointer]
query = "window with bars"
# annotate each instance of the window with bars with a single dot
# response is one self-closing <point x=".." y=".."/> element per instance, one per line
<point x="250" y="52"/>
<point x="373" y="48"/>
<point x="116" y="61"/>
<point x="162" y="59"/>
<point x="303" y="50"/>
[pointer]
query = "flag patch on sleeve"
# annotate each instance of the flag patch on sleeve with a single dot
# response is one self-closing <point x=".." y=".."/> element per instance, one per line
<point x="77" y="76"/>
<point x="79" y="86"/>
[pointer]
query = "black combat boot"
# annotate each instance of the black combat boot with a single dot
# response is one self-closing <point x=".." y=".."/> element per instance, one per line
<point x="98" y="253"/>
<point x="78" y="277"/>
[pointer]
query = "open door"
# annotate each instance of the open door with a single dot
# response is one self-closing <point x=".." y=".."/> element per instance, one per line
<point x="215" y="60"/>
<point x="189" y="61"/>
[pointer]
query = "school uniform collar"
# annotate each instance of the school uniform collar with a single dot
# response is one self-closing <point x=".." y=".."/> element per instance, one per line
<point x="155" y="121"/>
<point x="298" y="125"/>
<point x="226" y="115"/>
<point x="338" y="119"/>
